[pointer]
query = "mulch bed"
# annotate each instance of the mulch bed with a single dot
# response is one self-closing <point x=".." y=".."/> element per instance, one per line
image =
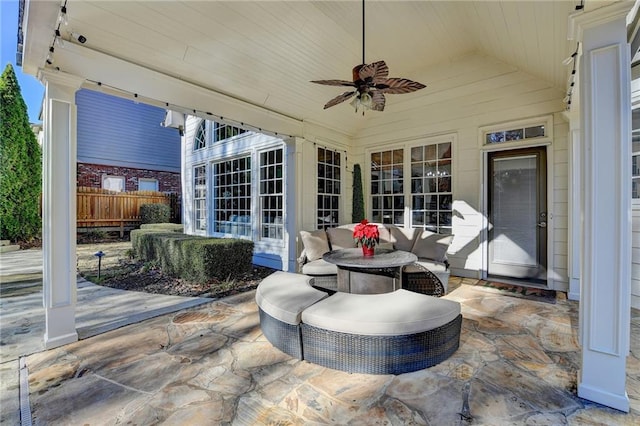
<point x="138" y="276"/>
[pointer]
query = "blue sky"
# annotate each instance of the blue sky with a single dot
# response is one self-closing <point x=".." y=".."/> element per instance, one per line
<point x="32" y="89"/>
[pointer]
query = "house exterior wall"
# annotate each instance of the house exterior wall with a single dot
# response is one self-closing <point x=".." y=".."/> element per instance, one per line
<point x="91" y="175"/>
<point x="119" y="132"/>
<point x="271" y="252"/>
<point x="470" y="94"/>
<point x="473" y="93"/>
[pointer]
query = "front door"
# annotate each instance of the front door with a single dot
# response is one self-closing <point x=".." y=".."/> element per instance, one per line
<point x="518" y="214"/>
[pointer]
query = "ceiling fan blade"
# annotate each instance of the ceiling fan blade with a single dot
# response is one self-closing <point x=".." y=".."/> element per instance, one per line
<point x="339" y="99"/>
<point x="399" y="86"/>
<point x="377" y="100"/>
<point x="378" y="71"/>
<point x="334" y="82"/>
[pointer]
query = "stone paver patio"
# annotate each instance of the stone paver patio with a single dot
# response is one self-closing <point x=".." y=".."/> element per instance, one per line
<point x="517" y="364"/>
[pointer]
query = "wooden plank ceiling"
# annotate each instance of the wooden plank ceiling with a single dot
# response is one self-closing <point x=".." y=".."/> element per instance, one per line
<point x="265" y="52"/>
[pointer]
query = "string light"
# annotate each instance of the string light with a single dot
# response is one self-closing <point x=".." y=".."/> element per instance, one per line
<point x="572" y="59"/>
<point x="204" y="114"/>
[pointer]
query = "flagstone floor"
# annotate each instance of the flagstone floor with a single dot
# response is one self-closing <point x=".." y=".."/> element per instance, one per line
<point x="517" y="365"/>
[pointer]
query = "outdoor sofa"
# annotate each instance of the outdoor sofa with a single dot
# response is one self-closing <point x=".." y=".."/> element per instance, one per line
<point x="429" y="275"/>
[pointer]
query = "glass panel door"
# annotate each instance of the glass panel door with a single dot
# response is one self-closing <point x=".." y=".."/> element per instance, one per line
<point x="517" y="214"/>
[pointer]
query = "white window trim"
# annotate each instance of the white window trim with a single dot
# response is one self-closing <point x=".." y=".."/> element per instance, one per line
<point x="341" y="182"/>
<point x="157" y="184"/>
<point x="407" y="145"/>
<point x="546" y="121"/>
<point x="124" y="182"/>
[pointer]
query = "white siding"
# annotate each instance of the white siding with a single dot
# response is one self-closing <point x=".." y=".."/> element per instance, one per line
<point x="464" y="96"/>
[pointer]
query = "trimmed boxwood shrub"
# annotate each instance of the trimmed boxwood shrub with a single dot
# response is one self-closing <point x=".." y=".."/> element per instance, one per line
<point x="165" y="227"/>
<point x="192" y="257"/>
<point x="155" y="213"/>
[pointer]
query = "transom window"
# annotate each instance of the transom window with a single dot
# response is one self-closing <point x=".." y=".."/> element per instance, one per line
<point x="232" y="197"/>
<point x="200" y="140"/>
<point x="515" y="134"/>
<point x="431" y="189"/>
<point x="272" y="193"/>
<point x="328" y="188"/>
<point x="200" y="198"/>
<point x="387" y="187"/>
<point x="222" y="131"/>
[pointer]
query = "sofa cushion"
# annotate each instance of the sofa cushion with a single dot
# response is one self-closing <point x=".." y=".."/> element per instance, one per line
<point x="284" y="295"/>
<point x="315" y="243"/>
<point x="430" y="245"/>
<point x="403" y="238"/>
<point x="390" y="314"/>
<point x="319" y="267"/>
<point x="340" y="238"/>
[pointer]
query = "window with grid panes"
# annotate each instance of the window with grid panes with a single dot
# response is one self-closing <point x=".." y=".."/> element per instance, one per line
<point x="200" y="198"/>
<point x="200" y="140"/>
<point x="387" y="187"/>
<point x="431" y="188"/>
<point x="271" y="194"/>
<point x="232" y="197"/>
<point x="328" y="188"/>
<point x="222" y="131"/>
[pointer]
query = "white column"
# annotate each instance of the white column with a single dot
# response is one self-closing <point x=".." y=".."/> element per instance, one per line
<point x="59" y="208"/>
<point x="605" y="111"/>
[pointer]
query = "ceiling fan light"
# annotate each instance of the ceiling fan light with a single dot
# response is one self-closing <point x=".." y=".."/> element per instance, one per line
<point x="362" y="101"/>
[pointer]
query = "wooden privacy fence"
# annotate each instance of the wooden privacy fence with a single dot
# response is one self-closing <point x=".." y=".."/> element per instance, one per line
<point x="101" y="208"/>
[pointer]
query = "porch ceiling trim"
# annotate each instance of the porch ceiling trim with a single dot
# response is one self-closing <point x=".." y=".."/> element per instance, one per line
<point x="182" y="95"/>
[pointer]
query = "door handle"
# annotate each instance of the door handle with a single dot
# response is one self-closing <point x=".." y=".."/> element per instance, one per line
<point x="542" y="224"/>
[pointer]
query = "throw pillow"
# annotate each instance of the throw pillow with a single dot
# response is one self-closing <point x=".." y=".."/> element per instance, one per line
<point x="315" y="244"/>
<point x="430" y="245"/>
<point x="403" y="238"/>
<point x="340" y="238"/>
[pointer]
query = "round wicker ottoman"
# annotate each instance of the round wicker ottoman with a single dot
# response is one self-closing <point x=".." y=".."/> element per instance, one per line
<point x="281" y="298"/>
<point x="389" y="333"/>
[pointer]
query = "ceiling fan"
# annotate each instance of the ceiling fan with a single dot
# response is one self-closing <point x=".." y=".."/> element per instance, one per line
<point x="371" y="82"/>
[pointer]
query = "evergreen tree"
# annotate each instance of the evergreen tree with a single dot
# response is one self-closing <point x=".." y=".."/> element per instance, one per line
<point x="357" y="202"/>
<point x="20" y="165"/>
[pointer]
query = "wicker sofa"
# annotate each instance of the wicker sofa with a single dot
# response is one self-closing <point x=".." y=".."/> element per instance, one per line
<point x="390" y="333"/>
<point x="429" y="275"/>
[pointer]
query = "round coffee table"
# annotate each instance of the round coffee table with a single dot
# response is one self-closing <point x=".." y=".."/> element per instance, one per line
<point x="369" y="274"/>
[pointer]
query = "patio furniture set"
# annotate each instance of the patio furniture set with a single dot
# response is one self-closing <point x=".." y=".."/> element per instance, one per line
<point x="375" y="315"/>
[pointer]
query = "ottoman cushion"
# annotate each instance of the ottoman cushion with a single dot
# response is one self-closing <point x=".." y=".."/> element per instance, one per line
<point x="284" y="295"/>
<point x="319" y="267"/>
<point x="389" y="314"/>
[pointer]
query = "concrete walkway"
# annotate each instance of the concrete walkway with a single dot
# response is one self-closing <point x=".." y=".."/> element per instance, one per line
<point x="99" y="309"/>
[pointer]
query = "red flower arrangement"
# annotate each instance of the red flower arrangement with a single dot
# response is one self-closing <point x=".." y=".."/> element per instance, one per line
<point x="366" y="233"/>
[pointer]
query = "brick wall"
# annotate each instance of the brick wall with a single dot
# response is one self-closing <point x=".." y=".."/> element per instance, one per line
<point x="91" y="175"/>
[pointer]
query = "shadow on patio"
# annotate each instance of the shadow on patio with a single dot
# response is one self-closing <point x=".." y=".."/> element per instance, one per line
<point x="517" y="364"/>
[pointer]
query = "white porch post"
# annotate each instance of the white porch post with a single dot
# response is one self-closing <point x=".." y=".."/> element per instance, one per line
<point x="59" y="208"/>
<point x="605" y="111"/>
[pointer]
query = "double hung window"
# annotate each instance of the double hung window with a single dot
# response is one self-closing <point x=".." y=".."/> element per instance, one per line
<point x="272" y="193"/>
<point x="328" y="200"/>
<point x="232" y="197"/>
<point x="200" y="198"/>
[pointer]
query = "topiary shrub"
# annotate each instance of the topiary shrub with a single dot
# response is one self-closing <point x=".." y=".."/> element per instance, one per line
<point x="155" y="213"/>
<point x="164" y="227"/>
<point x="192" y="257"/>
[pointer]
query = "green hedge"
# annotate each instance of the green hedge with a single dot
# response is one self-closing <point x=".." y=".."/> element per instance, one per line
<point x="166" y="227"/>
<point x="155" y="213"/>
<point x="191" y="257"/>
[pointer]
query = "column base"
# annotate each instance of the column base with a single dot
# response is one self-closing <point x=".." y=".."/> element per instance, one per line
<point x="57" y="341"/>
<point x="619" y="402"/>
